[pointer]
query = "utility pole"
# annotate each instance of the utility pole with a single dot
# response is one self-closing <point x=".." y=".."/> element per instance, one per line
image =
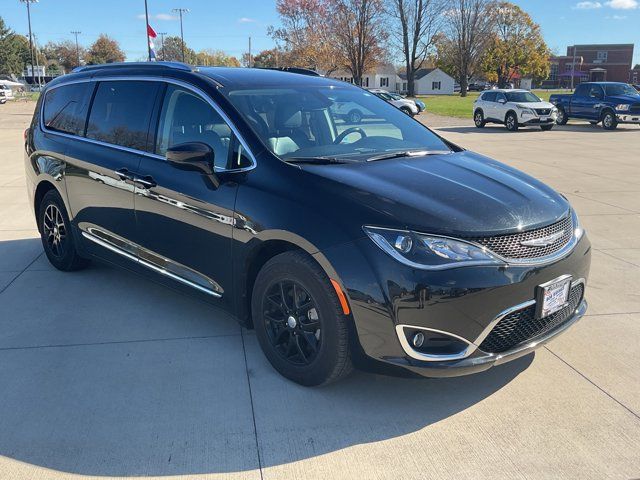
<point x="250" y="58"/>
<point x="29" y="2"/>
<point x="573" y="66"/>
<point x="162" y="34"/>
<point x="76" y="33"/>
<point x="180" y="12"/>
<point x="146" y="30"/>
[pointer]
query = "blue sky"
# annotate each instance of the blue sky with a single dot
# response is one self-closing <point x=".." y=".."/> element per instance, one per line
<point x="226" y="25"/>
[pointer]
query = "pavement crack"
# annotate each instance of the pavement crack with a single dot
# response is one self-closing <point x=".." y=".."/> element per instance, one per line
<point x="593" y="383"/>
<point x="253" y="411"/>
<point x="23" y="270"/>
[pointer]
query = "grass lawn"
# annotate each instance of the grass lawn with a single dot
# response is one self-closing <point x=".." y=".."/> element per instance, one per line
<point x="462" y="107"/>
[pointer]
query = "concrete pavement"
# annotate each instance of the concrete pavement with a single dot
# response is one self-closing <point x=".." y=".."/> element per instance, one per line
<point x="103" y="373"/>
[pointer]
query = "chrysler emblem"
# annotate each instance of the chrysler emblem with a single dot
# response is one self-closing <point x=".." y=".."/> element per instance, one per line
<point x="543" y="241"/>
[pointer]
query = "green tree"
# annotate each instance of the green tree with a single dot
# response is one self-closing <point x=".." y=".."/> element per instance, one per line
<point x="172" y="51"/>
<point x="104" y="50"/>
<point x="516" y="47"/>
<point x="14" y="51"/>
<point x="64" y="53"/>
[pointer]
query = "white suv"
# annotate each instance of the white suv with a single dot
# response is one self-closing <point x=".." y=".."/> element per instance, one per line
<point x="407" y="106"/>
<point x="513" y="108"/>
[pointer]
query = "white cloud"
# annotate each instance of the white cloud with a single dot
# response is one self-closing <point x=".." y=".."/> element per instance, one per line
<point x="246" y="20"/>
<point x="159" y="16"/>
<point x="617" y="17"/>
<point x="587" y="5"/>
<point x="623" y="4"/>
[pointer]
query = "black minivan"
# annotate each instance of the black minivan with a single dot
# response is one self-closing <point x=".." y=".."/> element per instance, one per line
<point x="376" y="244"/>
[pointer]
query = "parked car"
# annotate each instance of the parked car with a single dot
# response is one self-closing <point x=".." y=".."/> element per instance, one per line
<point x="456" y="88"/>
<point x="7" y="93"/>
<point x="419" y="103"/>
<point x="3" y="97"/>
<point x="407" y="106"/>
<point x="513" y="109"/>
<point x="479" y="86"/>
<point x="608" y="102"/>
<point x="377" y="244"/>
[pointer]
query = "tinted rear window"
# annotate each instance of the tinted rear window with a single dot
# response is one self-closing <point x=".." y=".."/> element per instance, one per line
<point x="489" y="97"/>
<point x="121" y="113"/>
<point x="65" y="108"/>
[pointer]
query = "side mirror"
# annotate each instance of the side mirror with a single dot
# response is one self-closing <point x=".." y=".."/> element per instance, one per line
<point x="193" y="156"/>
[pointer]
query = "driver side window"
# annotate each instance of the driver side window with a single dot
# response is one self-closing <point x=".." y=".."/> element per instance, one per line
<point x="186" y="117"/>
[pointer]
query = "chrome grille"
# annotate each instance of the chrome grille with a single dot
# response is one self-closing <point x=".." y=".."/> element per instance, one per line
<point x="521" y="326"/>
<point x="510" y="247"/>
<point x="635" y="108"/>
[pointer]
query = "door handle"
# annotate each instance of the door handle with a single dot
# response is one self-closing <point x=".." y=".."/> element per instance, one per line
<point x="145" y="182"/>
<point x="124" y="174"/>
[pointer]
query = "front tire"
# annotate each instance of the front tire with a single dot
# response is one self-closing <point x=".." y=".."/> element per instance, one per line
<point x="355" y="116"/>
<point x="407" y="111"/>
<point x="511" y="122"/>
<point x="55" y="231"/>
<point x="478" y="119"/>
<point x="609" y="121"/>
<point x="562" y="118"/>
<point x="299" y="321"/>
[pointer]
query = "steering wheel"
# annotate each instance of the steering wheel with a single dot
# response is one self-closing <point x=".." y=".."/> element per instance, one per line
<point x="349" y="131"/>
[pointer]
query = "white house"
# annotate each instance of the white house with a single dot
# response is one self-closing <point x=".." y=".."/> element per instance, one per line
<point x="384" y="76"/>
<point x="430" y="81"/>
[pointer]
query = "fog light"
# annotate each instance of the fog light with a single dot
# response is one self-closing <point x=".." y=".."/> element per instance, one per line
<point x="403" y="243"/>
<point x="418" y="339"/>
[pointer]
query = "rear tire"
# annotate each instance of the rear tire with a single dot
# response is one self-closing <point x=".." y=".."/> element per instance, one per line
<point x="609" y="121"/>
<point x="55" y="231"/>
<point x="299" y="321"/>
<point x="511" y="122"/>
<point x="562" y="118"/>
<point x="478" y="119"/>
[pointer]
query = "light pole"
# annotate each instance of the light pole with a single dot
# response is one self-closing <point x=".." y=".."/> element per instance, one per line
<point x="162" y="34"/>
<point x="146" y="30"/>
<point x="76" y="33"/>
<point x="180" y="12"/>
<point x="29" y="2"/>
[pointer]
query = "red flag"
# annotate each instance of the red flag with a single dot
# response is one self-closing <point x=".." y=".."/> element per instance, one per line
<point x="151" y="32"/>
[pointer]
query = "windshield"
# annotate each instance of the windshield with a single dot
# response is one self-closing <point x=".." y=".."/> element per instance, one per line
<point x="521" y="97"/>
<point x="620" y="89"/>
<point x="325" y="121"/>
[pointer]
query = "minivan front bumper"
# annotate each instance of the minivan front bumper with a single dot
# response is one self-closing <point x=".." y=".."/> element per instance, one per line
<point x="462" y="303"/>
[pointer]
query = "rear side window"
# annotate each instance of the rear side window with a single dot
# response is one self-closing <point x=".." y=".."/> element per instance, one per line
<point x="582" y="90"/>
<point x="65" y="108"/>
<point x="489" y="97"/>
<point x="121" y="112"/>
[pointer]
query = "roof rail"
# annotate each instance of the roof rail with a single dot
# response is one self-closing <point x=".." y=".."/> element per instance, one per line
<point x="169" y="65"/>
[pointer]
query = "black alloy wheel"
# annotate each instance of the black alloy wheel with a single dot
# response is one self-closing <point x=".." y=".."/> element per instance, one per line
<point x="292" y="322"/>
<point x="299" y="320"/>
<point x="55" y="232"/>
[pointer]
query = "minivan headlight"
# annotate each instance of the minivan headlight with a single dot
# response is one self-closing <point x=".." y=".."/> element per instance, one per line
<point x="430" y="252"/>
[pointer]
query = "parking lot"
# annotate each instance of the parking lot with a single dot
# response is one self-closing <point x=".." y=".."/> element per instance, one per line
<point x="133" y="379"/>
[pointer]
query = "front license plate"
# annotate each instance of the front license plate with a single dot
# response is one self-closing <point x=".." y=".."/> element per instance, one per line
<point x="552" y="296"/>
<point x="544" y="119"/>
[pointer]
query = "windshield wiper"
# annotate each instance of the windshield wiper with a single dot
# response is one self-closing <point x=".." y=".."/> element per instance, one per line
<point x="407" y="153"/>
<point x="319" y="160"/>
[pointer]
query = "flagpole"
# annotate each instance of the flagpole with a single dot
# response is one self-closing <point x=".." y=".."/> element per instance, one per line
<point x="146" y="29"/>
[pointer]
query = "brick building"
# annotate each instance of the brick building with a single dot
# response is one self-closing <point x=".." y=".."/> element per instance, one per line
<point x="594" y="63"/>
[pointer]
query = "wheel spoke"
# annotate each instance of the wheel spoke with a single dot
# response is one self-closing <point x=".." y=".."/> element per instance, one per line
<point x="300" y="349"/>
<point x="310" y="340"/>
<point x="284" y="297"/>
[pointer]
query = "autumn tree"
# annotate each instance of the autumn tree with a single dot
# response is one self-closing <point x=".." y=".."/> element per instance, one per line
<point x="172" y="51"/>
<point x="64" y="53"/>
<point x="305" y="36"/>
<point x="217" y="58"/>
<point x="266" y="58"/>
<point x="516" y="46"/>
<point x="466" y="34"/>
<point x="104" y="50"/>
<point x="359" y="30"/>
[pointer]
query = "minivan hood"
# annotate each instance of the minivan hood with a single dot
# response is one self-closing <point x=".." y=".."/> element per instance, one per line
<point x="463" y="194"/>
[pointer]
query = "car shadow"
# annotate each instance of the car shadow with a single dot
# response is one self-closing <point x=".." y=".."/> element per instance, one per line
<point x="106" y="373"/>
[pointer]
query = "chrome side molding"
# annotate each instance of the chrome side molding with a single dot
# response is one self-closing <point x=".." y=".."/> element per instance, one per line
<point x="152" y="261"/>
